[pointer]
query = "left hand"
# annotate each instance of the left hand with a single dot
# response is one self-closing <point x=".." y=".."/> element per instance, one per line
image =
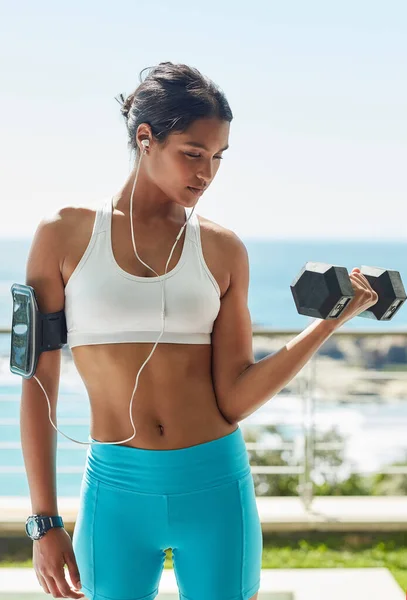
<point x="364" y="298"/>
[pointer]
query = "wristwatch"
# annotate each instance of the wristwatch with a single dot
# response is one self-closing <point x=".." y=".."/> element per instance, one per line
<point x="36" y="526"/>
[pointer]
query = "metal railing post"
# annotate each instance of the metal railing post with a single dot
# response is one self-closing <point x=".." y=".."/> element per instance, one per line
<point x="306" y="486"/>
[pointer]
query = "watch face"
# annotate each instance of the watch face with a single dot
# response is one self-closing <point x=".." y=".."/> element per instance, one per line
<point x="32" y="527"/>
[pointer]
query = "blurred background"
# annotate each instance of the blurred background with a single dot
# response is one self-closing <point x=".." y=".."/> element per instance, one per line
<point x="316" y="171"/>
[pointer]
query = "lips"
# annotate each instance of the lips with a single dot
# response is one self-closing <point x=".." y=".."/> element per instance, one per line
<point x="196" y="191"/>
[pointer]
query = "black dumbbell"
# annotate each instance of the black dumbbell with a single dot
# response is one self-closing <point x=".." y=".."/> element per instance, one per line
<point x="322" y="291"/>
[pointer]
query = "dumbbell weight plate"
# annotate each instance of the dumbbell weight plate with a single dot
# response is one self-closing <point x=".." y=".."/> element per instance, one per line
<point x="322" y="290"/>
<point x="390" y="289"/>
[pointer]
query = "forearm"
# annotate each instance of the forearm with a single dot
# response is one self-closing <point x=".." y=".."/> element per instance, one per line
<point x="265" y="378"/>
<point x="39" y="441"/>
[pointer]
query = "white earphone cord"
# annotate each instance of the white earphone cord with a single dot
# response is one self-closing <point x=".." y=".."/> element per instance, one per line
<point x="145" y="144"/>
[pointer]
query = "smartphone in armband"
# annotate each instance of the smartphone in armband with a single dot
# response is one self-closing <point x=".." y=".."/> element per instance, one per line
<point x="32" y="332"/>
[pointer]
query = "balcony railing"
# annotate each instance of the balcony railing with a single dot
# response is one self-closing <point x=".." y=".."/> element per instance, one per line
<point x="267" y="341"/>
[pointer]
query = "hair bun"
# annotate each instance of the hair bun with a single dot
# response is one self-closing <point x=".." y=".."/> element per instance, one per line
<point x="125" y="103"/>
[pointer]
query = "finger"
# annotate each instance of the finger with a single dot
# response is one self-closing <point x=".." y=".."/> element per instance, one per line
<point x="362" y="280"/>
<point x="73" y="570"/>
<point x="53" y="588"/>
<point x="43" y="583"/>
<point x="372" y="292"/>
<point x="66" y="591"/>
<point x="365" y="285"/>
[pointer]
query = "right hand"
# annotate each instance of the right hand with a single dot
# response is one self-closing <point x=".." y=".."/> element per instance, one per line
<point x="364" y="298"/>
<point x="50" y="554"/>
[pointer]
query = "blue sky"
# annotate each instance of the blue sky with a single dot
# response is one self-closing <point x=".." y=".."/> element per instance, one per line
<point x="318" y="144"/>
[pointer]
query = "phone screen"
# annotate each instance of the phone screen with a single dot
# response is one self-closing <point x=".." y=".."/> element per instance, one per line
<point x="21" y="332"/>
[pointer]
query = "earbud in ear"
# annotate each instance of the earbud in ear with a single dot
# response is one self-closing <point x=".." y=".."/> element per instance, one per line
<point x="145" y="143"/>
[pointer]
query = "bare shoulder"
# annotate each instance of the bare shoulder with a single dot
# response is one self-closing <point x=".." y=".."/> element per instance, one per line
<point x="226" y="241"/>
<point x="74" y="212"/>
<point x="70" y="221"/>
<point x="64" y="228"/>
<point x="225" y="255"/>
<point x="66" y="214"/>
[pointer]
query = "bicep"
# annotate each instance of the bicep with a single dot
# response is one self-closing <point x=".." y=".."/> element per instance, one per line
<point x="43" y="273"/>
<point x="232" y="343"/>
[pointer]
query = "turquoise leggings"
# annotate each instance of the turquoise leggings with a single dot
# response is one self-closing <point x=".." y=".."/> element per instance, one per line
<point x="199" y="501"/>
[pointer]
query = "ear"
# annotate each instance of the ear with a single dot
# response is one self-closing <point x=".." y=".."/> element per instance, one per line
<point x="143" y="133"/>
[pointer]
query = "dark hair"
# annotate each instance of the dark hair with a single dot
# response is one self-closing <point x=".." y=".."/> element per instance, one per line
<point x="169" y="99"/>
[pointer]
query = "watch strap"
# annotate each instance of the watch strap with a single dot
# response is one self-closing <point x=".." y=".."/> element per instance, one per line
<point x="47" y="523"/>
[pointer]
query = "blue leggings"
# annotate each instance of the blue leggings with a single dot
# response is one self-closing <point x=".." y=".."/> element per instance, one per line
<point x="199" y="501"/>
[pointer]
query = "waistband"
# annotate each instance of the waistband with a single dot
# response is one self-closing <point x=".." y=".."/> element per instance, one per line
<point x="180" y="470"/>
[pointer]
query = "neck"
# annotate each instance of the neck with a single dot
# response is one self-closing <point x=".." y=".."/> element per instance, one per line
<point x="150" y="205"/>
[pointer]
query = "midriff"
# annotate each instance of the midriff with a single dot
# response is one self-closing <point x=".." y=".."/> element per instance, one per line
<point x="174" y="405"/>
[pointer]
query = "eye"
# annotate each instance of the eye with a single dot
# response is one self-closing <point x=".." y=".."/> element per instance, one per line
<point x="198" y="156"/>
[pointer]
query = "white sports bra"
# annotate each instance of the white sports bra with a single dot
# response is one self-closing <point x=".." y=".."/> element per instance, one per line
<point x="106" y="305"/>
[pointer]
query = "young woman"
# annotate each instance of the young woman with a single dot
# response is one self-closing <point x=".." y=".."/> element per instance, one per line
<point x="180" y="478"/>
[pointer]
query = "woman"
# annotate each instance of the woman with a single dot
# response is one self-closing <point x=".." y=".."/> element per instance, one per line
<point x="181" y="478"/>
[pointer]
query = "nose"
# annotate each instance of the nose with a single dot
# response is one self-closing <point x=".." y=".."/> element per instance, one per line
<point x="206" y="172"/>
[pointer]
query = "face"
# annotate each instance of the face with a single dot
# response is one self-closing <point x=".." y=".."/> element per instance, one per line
<point x="188" y="159"/>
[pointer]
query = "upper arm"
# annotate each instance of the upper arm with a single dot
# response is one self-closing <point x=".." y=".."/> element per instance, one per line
<point x="43" y="273"/>
<point x="232" y="343"/>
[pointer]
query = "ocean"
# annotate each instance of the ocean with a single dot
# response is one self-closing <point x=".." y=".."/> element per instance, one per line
<point x="375" y="432"/>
